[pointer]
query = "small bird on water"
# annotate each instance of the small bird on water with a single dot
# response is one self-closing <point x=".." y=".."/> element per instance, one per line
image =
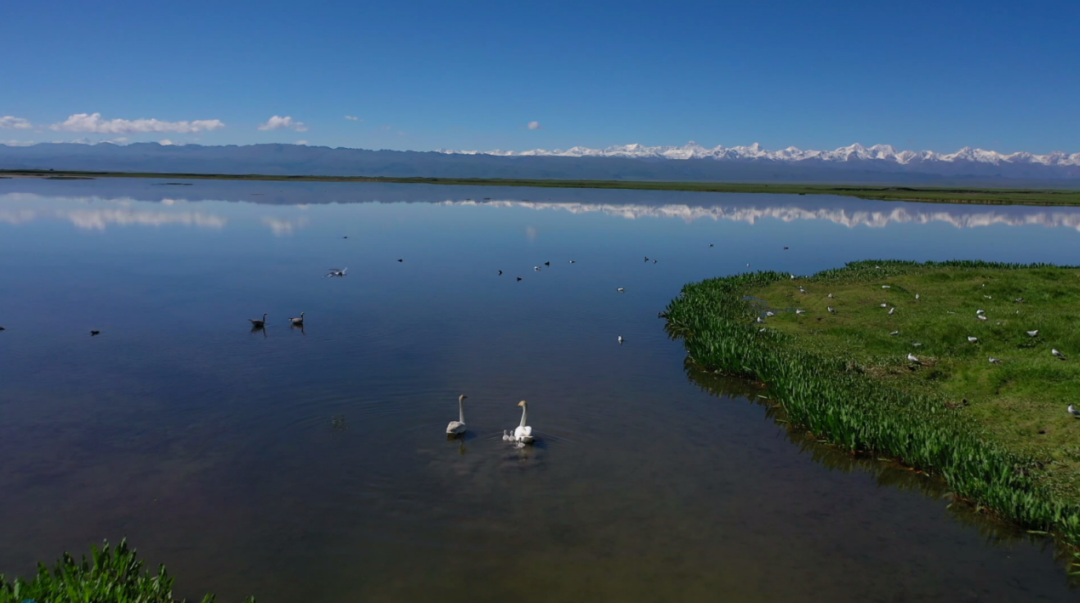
<point x="620" y="339"/>
<point x="519" y="278"/>
<point x="547" y="263"/>
<point x="95" y="333"/>
<point x="621" y="290"/>
<point x="536" y="268"/>
<point x="500" y="273"/>
<point x="334" y="272"/>
<point x="257" y="323"/>
<point x="298" y="322"/>
<point x="400" y="260"/>
<point x="572" y="262"/>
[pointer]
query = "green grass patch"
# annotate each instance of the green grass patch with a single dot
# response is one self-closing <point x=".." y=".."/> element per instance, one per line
<point x="998" y="433"/>
<point x="980" y="196"/>
<point x="109" y="575"/>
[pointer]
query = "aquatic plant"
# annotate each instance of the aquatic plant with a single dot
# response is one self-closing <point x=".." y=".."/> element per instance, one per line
<point x="842" y="390"/>
<point x="110" y="575"/>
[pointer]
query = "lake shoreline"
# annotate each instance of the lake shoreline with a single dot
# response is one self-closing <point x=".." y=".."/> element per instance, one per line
<point x="957" y="195"/>
<point x="884" y="411"/>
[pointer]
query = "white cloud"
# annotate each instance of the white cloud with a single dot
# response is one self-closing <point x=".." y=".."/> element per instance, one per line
<point x="14" y="123"/>
<point x="534" y="125"/>
<point x="353" y="118"/>
<point x="302" y="142"/>
<point x="93" y="122"/>
<point x="18" y="143"/>
<point x="278" y="123"/>
<point x="166" y="142"/>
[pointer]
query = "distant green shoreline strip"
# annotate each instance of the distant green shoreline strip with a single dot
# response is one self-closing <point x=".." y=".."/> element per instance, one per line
<point x="978" y="196"/>
<point x="840" y="370"/>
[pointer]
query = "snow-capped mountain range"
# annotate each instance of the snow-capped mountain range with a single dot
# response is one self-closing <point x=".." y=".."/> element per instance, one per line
<point x="855" y="152"/>
<point x="692" y="162"/>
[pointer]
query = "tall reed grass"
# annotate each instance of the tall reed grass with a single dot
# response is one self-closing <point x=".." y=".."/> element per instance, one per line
<point x="110" y="575"/>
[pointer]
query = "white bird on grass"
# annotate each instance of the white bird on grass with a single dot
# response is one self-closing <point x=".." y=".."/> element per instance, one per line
<point x="886" y="287"/>
<point x="916" y="297"/>
<point x="912" y="358"/>
<point x="891" y="310"/>
<point x="831" y="309"/>
<point x="1057" y="353"/>
<point x="884" y="305"/>
<point x="982" y="317"/>
<point x="895" y="333"/>
<point x="800" y="311"/>
<point x="523" y="433"/>
<point x="1034" y="333"/>
<point x="458" y="427"/>
<point x="1072" y="411"/>
<point x="994" y="360"/>
<point x="830" y="296"/>
<point x="770" y="314"/>
<point x="972" y="339"/>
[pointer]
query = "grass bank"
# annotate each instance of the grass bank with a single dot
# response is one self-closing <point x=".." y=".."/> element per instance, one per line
<point x="997" y="432"/>
<point x="979" y="196"/>
<point x="109" y="575"/>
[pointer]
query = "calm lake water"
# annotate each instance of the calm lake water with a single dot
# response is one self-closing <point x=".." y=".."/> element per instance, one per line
<point x="214" y="449"/>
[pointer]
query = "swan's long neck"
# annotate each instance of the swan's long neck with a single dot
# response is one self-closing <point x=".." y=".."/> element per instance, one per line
<point x="524" y="415"/>
<point x="461" y="410"/>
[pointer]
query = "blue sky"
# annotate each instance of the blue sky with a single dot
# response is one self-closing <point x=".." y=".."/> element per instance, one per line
<point x="470" y="75"/>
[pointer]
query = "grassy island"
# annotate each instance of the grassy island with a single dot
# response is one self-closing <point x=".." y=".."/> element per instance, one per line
<point x="110" y="575"/>
<point x="996" y="430"/>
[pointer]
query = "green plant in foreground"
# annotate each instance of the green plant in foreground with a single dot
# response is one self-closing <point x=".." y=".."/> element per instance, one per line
<point x="110" y="575"/>
<point x="837" y="378"/>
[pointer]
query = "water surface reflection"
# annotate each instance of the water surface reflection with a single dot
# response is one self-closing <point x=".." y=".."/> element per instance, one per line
<point x="312" y="464"/>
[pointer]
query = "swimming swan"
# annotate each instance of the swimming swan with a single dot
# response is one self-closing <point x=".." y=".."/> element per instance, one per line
<point x="523" y="433"/>
<point x="458" y="427"/>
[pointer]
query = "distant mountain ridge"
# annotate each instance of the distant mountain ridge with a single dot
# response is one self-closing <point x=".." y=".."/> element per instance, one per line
<point x="881" y="163"/>
<point x="855" y="152"/>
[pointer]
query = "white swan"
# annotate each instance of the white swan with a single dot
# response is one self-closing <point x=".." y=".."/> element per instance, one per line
<point x="523" y="433"/>
<point x="458" y="427"/>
